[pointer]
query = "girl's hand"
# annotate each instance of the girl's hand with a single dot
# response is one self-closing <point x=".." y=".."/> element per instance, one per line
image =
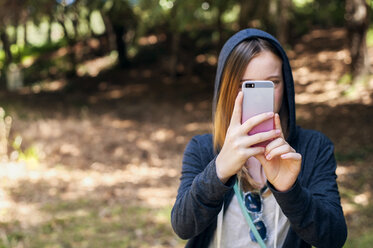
<point x="281" y="162"/>
<point x="237" y="145"/>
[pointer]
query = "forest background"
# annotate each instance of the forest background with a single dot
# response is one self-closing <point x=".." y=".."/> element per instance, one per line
<point x="98" y="99"/>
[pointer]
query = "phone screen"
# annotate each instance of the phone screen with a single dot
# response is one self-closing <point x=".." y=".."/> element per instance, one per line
<point x="258" y="98"/>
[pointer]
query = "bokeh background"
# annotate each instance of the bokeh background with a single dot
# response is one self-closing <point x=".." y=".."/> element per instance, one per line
<point x="99" y="98"/>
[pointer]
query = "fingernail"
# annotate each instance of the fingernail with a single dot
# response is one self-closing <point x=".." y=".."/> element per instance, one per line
<point x="283" y="156"/>
<point x="268" y="157"/>
<point x="270" y="114"/>
<point x="278" y="131"/>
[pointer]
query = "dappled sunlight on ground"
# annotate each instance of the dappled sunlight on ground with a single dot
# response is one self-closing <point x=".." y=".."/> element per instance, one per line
<point x="28" y="197"/>
<point x="99" y="158"/>
<point x="94" y="66"/>
<point x="318" y="75"/>
<point x="352" y="203"/>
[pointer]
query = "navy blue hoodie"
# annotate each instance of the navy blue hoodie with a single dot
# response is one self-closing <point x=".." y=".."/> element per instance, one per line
<point x="312" y="205"/>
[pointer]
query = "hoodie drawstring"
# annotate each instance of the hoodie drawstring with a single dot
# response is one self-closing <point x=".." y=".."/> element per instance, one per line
<point x="276" y="224"/>
<point x="220" y="226"/>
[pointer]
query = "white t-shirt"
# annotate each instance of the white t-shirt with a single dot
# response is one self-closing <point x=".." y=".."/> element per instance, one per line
<point x="235" y="231"/>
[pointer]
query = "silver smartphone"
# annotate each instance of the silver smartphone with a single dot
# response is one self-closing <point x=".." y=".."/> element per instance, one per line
<point x="258" y="98"/>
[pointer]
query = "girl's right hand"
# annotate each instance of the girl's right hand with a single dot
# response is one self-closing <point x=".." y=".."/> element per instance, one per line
<point x="237" y="145"/>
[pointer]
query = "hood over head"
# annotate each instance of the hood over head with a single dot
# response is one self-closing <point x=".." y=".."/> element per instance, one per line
<point x="289" y="94"/>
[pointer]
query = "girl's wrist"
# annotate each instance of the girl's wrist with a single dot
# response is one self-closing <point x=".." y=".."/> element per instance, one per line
<point x="219" y="173"/>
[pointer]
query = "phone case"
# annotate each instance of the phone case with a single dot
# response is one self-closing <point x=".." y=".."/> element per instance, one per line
<point x="258" y="98"/>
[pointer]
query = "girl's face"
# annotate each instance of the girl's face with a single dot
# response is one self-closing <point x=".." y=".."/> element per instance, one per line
<point x="267" y="66"/>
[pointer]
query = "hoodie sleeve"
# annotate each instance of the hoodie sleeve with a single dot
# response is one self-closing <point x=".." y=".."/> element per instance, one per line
<point x="200" y="194"/>
<point x="315" y="211"/>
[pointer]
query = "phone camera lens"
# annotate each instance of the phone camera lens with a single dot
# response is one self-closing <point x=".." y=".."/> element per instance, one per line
<point x="250" y="85"/>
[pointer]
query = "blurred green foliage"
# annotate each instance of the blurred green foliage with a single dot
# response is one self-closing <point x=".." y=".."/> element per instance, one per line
<point x="52" y="21"/>
<point x="181" y="30"/>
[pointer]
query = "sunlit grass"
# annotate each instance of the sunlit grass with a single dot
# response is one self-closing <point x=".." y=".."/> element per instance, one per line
<point x="345" y="79"/>
<point x="90" y="223"/>
<point x="364" y="240"/>
<point x="353" y="155"/>
<point x="362" y="234"/>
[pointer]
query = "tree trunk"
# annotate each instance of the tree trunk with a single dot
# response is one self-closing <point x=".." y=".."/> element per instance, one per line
<point x="88" y="20"/>
<point x="65" y="33"/>
<point x="16" y="27"/>
<point x="244" y="18"/>
<point x="357" y="18"/>
<point x="49" y="33"/>
<point x="262" y="14"/>
<point x="247" y="12"/>
<point x="8" y="54"/>
<point x="6" y="46"/>
<point x="17" y="57"/>
<point x="175" y="45"/>
<point x="25" y="33"/>
<point x="109" y="31"/>
<point x="71" y="53"/>
<point x="283" y="22"/>
<point x="120" y="31"/>
<point x="220" y="25"/>
<point x="75" y="23"/>
<point x="175" y="41"/>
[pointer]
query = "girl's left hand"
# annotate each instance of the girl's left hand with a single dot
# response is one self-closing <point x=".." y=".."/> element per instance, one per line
<point x="281" y="163"/>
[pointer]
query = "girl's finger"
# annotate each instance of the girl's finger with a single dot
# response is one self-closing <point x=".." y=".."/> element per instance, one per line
<point x="255" y="120"/>
<point x="291" y="155"/>
<point x="237" y="110"/>
<point x="250" y="140"/>
<point x="261" y="159"/>
<point x="273" y="144"/>
<point x="278" y="124"/>
<point x="279" y="151"/>
<point x="254" y="151"/>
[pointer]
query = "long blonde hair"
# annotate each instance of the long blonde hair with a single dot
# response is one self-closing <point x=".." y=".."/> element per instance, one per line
<point x="232" y="74"/>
